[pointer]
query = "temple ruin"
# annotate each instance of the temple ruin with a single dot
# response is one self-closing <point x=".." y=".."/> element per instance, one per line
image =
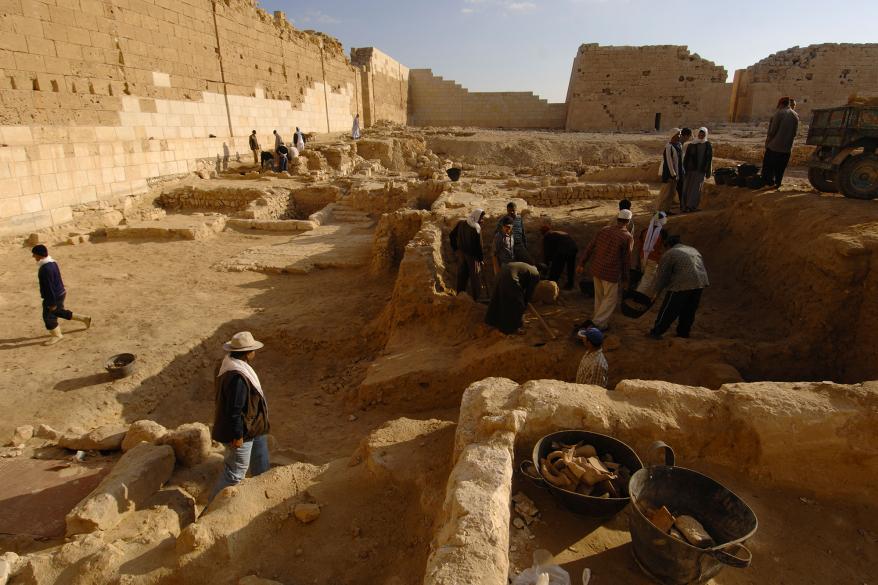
<point x="401" y="423"/>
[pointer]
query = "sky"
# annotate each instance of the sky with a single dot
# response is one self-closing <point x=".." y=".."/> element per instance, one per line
<point x="529" y="45"/>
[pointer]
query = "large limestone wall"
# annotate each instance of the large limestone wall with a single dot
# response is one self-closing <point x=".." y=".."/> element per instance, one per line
<point x="438" y="102"/>
<point x="385" y="86"/>
<point x="101" y="98"/>
<point x="625" y="88"/>
<point x="818" y="76"/>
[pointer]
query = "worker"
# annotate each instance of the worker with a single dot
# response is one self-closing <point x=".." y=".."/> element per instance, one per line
<point x="54" y="294"/>
<point x="671" y="171"/>
<point x="593" y="367"/>
<point x="466" y="242"/>
<point x="521" y="252"/>
<point x="559" y="253"/>
<point x="514" y="290"/>
<point x="681" y="271"/>
<point x="652" y="246"/>
<point x="254" y="147"/>
<point x="355" y="129"/>
<point x="610" y="250"/>
<point x="240" y="419"/>
<point x="503" y="250"/>
<point x="779" y="142"/>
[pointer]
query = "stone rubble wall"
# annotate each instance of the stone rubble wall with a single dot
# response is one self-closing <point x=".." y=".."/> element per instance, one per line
<point x="624" y="88"/>
<point x="818" y="76"/>
<point x="775" y="433"/>
<point x="100" y="99"/>
<point x="435" y="101"/>
<point x="242" y="203"/>
<point x="555" y="196"/>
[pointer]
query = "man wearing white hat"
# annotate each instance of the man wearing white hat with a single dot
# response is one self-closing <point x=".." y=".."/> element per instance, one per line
<point x="610" y="255"/>
<point x="241" y="413"/>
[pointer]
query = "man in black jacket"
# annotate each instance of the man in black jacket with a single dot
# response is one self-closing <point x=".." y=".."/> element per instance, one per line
<point x="241" y="413"/>
<point x="53" y="292"/>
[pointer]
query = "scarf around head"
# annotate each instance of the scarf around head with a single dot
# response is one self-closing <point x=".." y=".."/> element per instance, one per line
<point x="231" y="364"/>
<point x="473" y="218"/>
<point x="653" y="232"/>
<point x="700" y="140"/>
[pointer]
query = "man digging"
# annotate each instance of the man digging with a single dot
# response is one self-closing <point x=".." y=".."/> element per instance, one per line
<point x="54" y="294"/>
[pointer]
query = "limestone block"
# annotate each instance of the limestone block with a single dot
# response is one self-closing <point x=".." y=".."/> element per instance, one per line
<point x="191" y="443"/>
<point x="105" y="438"/>
<point x="137" y="475"/>
<point x="22" y="435"/>
<point x="143" y="431"/>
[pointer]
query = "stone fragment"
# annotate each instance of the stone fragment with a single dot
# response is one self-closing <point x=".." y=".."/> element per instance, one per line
<point x="254" y="580"/>
<point x="143" y="431"/>
<point x="191" y="443"/>
<point x="46" y="432"/>
<point x="518" y="523"/>
<point x="693" y="531"/>
<point x="546" y="292"/>
<point x="661" y="519"/>
<point x="105" y="438"/>
<point x="8" y="565"/>
<point x="22" y="435"/>
<point x="137" y="475"/>
<point x="306" y="513"/>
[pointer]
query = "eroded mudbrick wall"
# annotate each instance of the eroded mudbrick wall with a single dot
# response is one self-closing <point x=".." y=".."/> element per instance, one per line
<point x="818" y="76"/>
<point x="435" y="101"/>
<point x="99" y="98"/>
<point x="641" y="88"/>
<point x="385" y="86"/>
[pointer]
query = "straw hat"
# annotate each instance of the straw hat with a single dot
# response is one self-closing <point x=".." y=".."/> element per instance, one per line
<point x="242" y="341"/>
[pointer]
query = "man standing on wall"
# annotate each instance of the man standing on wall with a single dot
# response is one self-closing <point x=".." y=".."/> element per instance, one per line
<point x="611" y="250"/>
<point x="779" y="142"/>
<point x="254" y="146"/>
<point x="240" y="419"/>
<point x="672" y="172"/>
<point x="53" y="292"/>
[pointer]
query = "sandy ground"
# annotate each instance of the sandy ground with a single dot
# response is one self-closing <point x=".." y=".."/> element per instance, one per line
<point x="173" y="303"/>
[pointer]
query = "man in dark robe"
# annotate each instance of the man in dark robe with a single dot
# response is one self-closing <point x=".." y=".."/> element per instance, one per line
<point x="513" y="292"/>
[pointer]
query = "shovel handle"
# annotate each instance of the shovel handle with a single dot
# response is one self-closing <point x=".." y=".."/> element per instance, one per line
<point x="670" y="458"/>
<point x="537" y="478"/>
<point x="733" y="557"/>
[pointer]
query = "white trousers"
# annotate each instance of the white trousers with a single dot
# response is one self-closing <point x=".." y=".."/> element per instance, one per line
<point x="647" y="281"/>
<point x="606" y="297"/>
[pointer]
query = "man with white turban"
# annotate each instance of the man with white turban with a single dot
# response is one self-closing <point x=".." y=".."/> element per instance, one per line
<point x="651" y="250"/>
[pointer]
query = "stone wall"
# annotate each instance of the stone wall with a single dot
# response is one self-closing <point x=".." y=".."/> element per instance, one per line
<point x="644" y="88"/>
<point x="103" y="98"/>
<point x="818" y="76"/>
<point x="384" y="83"/>
<point x="434" y="101"/>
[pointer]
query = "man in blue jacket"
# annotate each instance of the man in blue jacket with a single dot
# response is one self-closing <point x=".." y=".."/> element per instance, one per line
<point x="53" y="292"/>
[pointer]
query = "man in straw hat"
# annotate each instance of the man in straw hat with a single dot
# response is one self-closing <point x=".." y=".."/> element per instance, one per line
<point x="241" y="413"/>
<point x="53" y="292"/>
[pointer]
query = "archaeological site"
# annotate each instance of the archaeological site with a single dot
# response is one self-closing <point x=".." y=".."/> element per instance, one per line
<point x="286" y="258"/>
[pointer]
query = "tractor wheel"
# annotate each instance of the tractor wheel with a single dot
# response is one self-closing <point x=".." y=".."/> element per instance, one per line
<point x="823" y="180"/>
<point x="858" y="176"/>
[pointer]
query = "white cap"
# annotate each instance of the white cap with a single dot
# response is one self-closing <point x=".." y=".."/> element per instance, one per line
<point x="625" y="214"/>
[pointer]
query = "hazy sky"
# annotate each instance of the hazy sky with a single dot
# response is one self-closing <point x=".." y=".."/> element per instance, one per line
<point x="529" y="45"/>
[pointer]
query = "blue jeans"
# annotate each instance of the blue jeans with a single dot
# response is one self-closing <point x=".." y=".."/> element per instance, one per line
<point x="252" y="455"/>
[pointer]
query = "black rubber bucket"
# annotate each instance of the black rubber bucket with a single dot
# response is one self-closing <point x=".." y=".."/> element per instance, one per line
<point x="635" y="304"/>
<point x="453" y="173"/>
<point x="723" y="514"/>
<point x="120" y="365"/>
<point x="579" y="503"/>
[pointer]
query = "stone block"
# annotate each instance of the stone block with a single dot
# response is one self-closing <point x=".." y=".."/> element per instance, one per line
<point x="137" y="475"/>
<point x="191" y="443"/>
<point x="143" y="431"/>
<point x="105" y="438"/>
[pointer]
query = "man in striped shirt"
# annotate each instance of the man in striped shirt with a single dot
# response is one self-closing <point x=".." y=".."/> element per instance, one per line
<point x="610" y="255"/>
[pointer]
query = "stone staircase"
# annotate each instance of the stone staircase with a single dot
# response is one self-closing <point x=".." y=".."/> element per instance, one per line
<point x="342" y="212"/>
